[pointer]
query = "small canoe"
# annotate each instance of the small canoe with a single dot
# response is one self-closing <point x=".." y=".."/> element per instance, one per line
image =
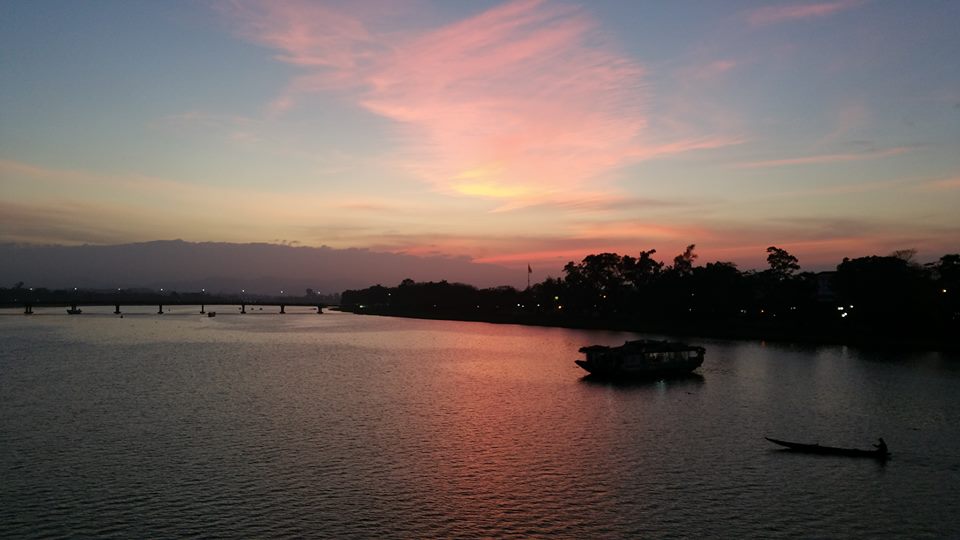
<point x="830" y="450"/>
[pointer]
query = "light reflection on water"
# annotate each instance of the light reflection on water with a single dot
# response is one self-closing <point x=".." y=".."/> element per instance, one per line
<point x="340" y="425"/>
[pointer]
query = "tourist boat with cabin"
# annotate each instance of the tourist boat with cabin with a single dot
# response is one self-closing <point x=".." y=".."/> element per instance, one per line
<point x="879" y="452"/>
<point x="641" y="358"/>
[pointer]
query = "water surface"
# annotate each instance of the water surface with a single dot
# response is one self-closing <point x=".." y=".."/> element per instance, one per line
<point x="355" y="426"/>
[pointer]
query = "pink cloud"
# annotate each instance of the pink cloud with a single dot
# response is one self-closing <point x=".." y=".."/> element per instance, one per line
<point x="518" y="103"/>
<point x="850" y="117"/>
<point x="553" y="259"/>
<point x="827" y="158"/>
<point x="947" y="184"/>
<point x="781" y="13"/>
<point x="634" y="230"/>
<point x="308" y="34"/>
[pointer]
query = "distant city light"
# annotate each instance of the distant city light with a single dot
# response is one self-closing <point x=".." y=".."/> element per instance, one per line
<point x="844" y="314"/>
<point x="839" y="308"/>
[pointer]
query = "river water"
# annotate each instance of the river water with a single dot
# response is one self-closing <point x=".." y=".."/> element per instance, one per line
<point x="343" y="426"/>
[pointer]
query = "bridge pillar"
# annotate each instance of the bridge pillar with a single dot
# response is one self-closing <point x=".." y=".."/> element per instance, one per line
<point x="160" y="311"/>
<point x="282" y="312"/>
<point x="117" y="310"/>
<point x="243" y="309"/>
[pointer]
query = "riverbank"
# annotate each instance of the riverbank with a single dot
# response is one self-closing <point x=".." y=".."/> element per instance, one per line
<point x="745" y="330"/>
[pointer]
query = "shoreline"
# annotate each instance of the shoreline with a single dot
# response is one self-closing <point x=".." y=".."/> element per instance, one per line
<point x="704" y="329"/>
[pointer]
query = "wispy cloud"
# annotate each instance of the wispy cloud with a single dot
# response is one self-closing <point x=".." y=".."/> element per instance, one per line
<point x="237" y="128"/>
<point x="827" y="158"/>
<point x="774" y="14"/>
<point x="946" y="184"/>
<point x="96" y="201"/>
<point x="636" y="230"/>
<point x="517" y="103"/>
<point x="709" y="71"/>
<point x="64" y="223"/>
<point x="847" y="118"/>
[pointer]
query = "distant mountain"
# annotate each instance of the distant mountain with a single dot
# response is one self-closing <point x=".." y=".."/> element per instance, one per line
<point x="225" y="267"/>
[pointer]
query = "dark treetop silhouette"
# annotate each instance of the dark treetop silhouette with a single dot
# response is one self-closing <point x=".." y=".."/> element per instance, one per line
<point x="877" y="298"/>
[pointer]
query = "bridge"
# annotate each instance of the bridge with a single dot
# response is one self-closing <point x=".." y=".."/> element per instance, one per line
<point x="77" y="301"/>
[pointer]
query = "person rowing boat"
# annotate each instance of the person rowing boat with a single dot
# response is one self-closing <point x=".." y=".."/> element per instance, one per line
<point x="881" y="447"/>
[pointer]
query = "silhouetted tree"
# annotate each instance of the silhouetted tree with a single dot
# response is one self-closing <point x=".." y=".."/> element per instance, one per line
<point x="947" y="269"/>
<point x="719" y="288"/>
<point x="683" y="263"/>
<point x="885" y="292"/>
<point x="946" y="272"/>
<point x="880" y="297"/>
<point x="643" y="270"/>
<point x="599" y="285"/>
<point x="905" y="255"/>
<point x="782" y="264"/>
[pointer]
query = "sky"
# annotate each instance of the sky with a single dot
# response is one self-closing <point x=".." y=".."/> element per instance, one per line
<point x="527" y="132"/>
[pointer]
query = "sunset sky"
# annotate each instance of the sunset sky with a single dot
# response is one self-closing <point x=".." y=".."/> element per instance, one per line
<point x="519" y="132"/>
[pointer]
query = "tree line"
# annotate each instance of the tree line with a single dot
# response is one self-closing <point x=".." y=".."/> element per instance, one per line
<point x="888" y="298"/>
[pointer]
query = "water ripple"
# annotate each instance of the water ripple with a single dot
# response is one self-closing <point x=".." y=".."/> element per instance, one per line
<point x="359" y="427"/>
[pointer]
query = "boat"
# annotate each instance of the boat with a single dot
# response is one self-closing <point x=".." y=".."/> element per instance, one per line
<point x="877" y="453"/>
<point x="211" y="314"/>
<point x="641" y="358"/>
<point x="74" y="311"/>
